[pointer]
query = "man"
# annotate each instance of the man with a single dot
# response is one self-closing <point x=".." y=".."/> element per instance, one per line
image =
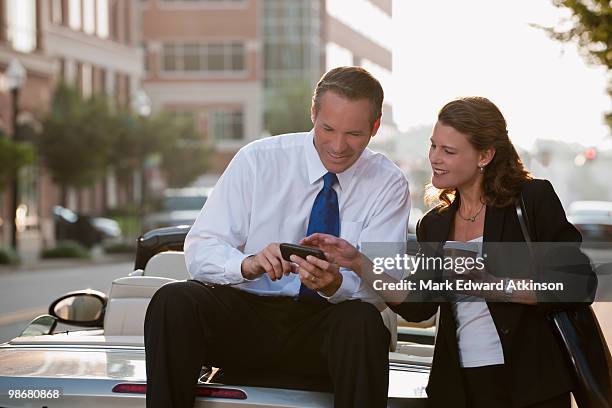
<point x="249" y="308"/>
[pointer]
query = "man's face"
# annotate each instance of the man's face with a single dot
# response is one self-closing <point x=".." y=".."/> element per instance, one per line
<point x="342" y="130"/>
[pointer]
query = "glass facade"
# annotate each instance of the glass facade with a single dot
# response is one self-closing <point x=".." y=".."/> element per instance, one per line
<point x="292" y="41"/>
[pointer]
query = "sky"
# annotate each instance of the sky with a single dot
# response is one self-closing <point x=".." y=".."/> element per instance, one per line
<point x="444" y="49"/>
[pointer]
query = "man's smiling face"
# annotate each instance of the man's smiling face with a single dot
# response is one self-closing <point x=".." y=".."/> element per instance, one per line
<point x="342" y="130"/>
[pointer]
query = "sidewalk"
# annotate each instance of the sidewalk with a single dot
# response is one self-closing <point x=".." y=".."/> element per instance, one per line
<point x="30" y="248"/>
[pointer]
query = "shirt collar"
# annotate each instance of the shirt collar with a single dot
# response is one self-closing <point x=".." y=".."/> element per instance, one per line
<point x="316" y="169"/>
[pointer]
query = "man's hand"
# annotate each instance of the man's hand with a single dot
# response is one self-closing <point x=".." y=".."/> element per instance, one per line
<point x="337" y="251"/>
<point x="318" y="275"/>
<point x="269" y="261"/>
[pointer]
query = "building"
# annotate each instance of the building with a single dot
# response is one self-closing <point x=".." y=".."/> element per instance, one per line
<point x="233" y="65"/>
<point x="358" y="32"/>
<point x="304" y="39"/>
<point x="203" y="60"/>
<point x="92" y="44"/>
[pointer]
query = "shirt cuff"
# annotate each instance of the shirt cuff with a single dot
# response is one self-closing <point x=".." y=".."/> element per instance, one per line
<point x="346" y="289"/>
<point x="233" y="270"/>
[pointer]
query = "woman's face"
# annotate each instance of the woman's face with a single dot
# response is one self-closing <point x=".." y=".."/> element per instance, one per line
<point x="454" y="161"/>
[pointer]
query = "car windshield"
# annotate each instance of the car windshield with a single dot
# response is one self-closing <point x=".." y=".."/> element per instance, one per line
<point x="183" y="203"/>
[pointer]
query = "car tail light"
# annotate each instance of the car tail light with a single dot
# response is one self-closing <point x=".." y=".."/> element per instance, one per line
<point x="219" y="392"/>
<point x="130" y="388"/>
<point x="211" y="392"/>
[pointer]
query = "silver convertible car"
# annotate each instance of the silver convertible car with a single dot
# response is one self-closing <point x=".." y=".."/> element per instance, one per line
<point x="89" y="352"/>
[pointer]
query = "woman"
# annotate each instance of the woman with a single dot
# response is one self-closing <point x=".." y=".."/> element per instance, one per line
<point x="502" y="352"/>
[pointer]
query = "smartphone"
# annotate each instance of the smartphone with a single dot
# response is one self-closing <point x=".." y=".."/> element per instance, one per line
<point x="300" y="250"/>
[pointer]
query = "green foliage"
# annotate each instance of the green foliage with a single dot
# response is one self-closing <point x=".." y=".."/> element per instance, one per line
<point x="76" y="138"/>
<point x="66" y="249"/>
<point x="184" y="154"/>
<point x="9" y="256"/>
<point x="289" y="108"/>
<point x="128" y="144"/>
<point x="130" y="224"/>
<point x="81" y="138"/>
<point x="591" y="28"/>
<point x="13" y="156"/>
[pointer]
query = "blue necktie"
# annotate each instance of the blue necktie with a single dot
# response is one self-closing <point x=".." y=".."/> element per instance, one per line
<point x="324" y="218"/>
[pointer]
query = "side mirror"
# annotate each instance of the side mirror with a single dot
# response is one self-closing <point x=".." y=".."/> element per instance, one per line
<point x="80" y="308"/>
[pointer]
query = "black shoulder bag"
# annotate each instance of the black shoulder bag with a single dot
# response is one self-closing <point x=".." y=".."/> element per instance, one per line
<point x="583" y="342"/>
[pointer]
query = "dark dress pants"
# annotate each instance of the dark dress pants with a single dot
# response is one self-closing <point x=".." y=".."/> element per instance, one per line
<point x="488" y="387"/>
<point x="190" y="324"/>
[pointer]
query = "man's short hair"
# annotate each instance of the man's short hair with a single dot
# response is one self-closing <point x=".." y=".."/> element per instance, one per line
<point x="352" y="83"/>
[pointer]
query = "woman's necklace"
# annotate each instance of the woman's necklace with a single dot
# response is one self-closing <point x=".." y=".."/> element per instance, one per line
<point x="472" y="218"/>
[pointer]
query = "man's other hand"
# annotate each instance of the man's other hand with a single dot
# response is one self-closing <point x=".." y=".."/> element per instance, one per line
<point x="269" y="261"/>
<point x="318" y="275"/>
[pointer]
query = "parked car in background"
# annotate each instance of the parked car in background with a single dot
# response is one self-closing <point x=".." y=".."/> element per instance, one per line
<point x="84" y="229"/>
<point x="179" y="206"/>
<point x="593" y="219"/>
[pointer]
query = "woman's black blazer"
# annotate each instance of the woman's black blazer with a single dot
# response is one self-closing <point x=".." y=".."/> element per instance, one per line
<point x="536" y="365"/>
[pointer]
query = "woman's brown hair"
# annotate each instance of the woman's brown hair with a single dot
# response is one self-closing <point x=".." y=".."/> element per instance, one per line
<point x="485" y="127"/>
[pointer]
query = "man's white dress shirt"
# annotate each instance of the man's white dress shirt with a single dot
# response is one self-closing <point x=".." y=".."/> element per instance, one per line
<point x="266" y="194"/>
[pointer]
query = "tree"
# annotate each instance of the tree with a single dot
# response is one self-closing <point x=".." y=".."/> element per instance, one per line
<point x="288" y="109"/>
<point x="76" y="139"/>
<point x="184" y="153"/>
<point x="591" y="27"/>
<point x="13" y="156"/>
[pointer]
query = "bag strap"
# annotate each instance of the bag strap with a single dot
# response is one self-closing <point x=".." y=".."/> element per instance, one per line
<point x="521" y="212"/>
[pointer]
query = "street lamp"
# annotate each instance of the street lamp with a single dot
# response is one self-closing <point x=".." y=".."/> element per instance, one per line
<point x="15" y="77"/>
<point x="141" y="103"/>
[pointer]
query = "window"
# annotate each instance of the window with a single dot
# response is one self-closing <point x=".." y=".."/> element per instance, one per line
<point x="202" y="1"/>
<point x="102" y="18"/>
<point x="170" y="58"/>
<point x="21" y="24"/>
<point x="74" y="14"/>
<point x="227" y="124"/>
<point x="201" y="58"/>
<point x="216" y="58"/>
<point x="89" y="16"/>
<point x="145" y="56"/>
<point x="191" y="57"/>
<point x="237" y="57"/>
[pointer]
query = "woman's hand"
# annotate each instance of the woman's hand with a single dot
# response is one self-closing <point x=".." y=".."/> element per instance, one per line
<point x="337" y="251"/>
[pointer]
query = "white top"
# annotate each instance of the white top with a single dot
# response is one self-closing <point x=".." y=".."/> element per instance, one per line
<point x="266" y="194"/>
<point x="478" y="341"/>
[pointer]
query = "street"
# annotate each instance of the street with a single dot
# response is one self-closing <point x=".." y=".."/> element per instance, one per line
<point x="27" y="294"/>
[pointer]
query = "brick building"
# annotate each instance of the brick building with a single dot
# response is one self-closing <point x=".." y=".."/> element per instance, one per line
<point x="91" y="44"/>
